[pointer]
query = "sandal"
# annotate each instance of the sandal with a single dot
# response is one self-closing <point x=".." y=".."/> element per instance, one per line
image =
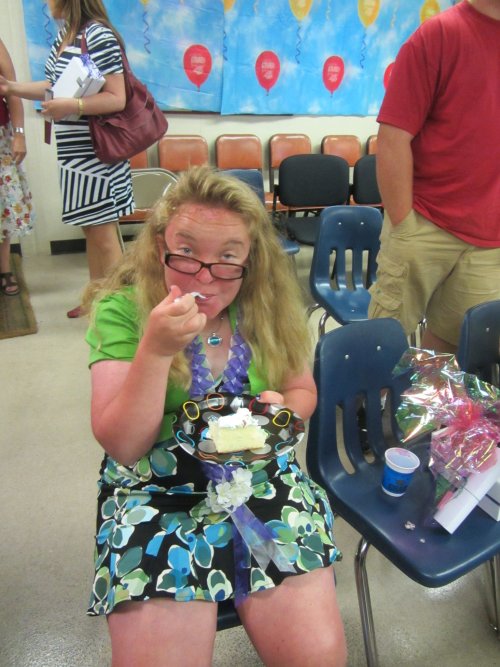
<point x="8" y="284"/>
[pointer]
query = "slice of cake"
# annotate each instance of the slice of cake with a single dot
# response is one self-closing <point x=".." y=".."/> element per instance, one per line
<point x="237" y="432"/>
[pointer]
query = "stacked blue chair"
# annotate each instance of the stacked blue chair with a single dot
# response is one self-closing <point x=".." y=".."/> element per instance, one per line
<point x="254" y="178"/>
<point x="351" y="235"/>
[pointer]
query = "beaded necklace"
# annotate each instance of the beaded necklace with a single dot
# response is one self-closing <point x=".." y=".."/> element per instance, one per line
<point x="235" y="374"/>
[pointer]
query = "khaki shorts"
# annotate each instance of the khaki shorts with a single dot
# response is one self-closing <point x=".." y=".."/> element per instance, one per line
<point x="424" y="271"/>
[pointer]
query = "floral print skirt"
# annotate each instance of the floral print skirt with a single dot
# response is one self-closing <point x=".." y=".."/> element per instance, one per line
<point x="15" y="197"/>
<point x="157" y="535"/>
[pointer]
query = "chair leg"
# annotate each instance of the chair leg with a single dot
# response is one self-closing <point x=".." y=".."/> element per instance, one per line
<point x="322" y="324"/>
<point x="365" y="607"/>
<point x="493" y="574"/>
<point x="311" y="309"/>
<point x="120" y="237"/>
<point x="420" y="330"/>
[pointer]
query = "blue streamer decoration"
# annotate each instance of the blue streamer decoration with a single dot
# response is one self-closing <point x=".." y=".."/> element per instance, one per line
<point x="224" y="44"/>
<point x="48" y="39"/>
<point x="363" y="51"/>
<point x="147" y="41"/>
<point x="299" y="44"/>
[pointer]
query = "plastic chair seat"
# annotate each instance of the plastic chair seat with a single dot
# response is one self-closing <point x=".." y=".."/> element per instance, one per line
<point x="353" y="364"/>
<point x="440" y="558"/>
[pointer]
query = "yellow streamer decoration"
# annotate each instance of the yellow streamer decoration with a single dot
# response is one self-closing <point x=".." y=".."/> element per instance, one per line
<point x="368" y="11"/>
<point x="144" y="2"/>
<point x="300" y="8"/>
<point x="228" y="4"/>
<point x="429" y="9"/>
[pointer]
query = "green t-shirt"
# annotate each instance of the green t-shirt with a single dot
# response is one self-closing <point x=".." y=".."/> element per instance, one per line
<point x="114" y="335"/>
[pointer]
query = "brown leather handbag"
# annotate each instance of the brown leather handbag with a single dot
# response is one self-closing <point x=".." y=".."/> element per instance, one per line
<point x="118" y="136"/>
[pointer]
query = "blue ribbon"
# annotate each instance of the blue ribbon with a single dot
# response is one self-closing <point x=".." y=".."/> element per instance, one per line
<point x="250" y="535"/>
<point x="92" y="69"/>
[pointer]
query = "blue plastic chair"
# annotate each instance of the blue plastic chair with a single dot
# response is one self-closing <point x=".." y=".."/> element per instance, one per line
<point x="479" y="346"/>
<point x="254" y="178"/>
<point x="353" y="363"/>
<point x="352" y="234"/>
<point x="227" y="616"/>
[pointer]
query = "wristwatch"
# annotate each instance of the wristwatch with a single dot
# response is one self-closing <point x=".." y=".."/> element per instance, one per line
<point x="18" y="130"/>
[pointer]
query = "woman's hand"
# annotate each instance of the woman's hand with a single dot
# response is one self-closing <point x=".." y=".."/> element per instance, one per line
<point x="269" y="396"/>
<point x="59" y="108"/>
<point x="18" y="148"/>
<point x="173" y="324"/>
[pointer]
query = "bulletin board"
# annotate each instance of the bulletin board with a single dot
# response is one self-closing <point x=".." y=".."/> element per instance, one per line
<point x="307" y="57"/>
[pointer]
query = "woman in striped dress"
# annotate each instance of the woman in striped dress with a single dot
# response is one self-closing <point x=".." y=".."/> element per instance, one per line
<point x="94" y="194"/>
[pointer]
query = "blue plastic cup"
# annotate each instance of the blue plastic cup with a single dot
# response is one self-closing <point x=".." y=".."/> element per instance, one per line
<point x="400" y="465"/>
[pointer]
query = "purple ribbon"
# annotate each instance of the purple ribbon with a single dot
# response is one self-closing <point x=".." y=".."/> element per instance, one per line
<point x="250" y="536"/>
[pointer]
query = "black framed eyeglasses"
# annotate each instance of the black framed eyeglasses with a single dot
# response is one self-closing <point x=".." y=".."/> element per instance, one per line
<point x="191" y="266"/>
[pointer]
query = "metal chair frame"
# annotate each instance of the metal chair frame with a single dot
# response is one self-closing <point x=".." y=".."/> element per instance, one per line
<point x="148" y="186"/>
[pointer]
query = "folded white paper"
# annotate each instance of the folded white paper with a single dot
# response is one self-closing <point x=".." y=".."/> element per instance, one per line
<point x="457" y="505"/>
<point x="80" y="79"/>
<point x="491" y="501"/>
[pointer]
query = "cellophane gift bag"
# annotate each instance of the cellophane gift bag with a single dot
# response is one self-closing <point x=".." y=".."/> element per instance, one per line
<point x="463" y="414"/>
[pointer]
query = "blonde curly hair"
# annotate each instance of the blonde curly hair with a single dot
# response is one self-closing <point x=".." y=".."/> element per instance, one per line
<point x="271" y="307"/>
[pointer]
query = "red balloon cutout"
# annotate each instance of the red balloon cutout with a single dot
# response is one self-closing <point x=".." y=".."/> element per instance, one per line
<point x="387" y="74"/>
<point x="333" y="73"/>
<point x="267" y="69"/>
<point x="197" y="64"/>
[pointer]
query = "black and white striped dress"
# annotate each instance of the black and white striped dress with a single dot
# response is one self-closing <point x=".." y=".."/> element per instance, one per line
<point x="93" y="193"/>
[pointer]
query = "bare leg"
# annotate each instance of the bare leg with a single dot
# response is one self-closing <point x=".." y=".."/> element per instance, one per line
<point x="5" y="264"/>
<point x="103" y="248"/>
<point x="5" y="254"/>
<point x="432" y="342"/>
<point x="298" y="623"/>
<point x="161" y="633"/>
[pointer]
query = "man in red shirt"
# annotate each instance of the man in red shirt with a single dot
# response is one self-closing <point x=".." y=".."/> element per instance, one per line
<point x="438" y="160"/>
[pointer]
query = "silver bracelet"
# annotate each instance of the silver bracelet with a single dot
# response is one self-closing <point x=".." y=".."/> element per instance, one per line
<point x="18" y="130"/>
